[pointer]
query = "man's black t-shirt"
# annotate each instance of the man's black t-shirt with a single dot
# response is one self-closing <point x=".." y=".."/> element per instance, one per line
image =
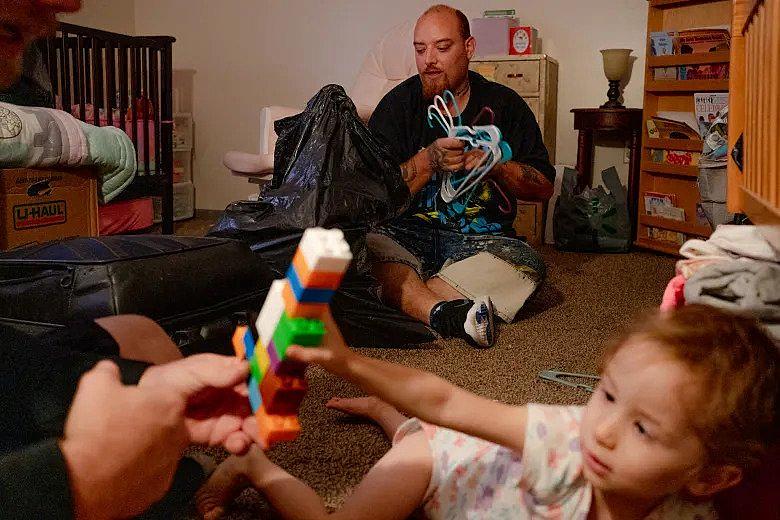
<point x="401" y="120"/>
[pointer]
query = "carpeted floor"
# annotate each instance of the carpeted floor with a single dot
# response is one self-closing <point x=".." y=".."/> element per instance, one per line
<point x="585" y="301"/>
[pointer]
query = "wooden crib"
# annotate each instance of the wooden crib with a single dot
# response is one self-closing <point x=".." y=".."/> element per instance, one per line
<point x="105" y="78"/>
<point x="754" y="113"/>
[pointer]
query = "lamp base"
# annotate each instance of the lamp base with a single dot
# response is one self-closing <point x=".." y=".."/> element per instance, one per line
<point x="613" y="94"/>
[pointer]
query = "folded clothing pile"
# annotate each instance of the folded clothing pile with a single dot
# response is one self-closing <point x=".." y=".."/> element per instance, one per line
<point x="736" y="269"/>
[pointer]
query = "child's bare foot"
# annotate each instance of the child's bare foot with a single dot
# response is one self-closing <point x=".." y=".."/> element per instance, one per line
<point x="224" y="485"/>
<point x="369" y="407"/>
<point x="372" y="408"/>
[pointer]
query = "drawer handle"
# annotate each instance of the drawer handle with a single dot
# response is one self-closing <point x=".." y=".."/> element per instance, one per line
<point x="517" y="75"/>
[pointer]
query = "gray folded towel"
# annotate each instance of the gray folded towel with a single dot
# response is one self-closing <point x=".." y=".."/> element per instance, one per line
<point x="748" y="287"/>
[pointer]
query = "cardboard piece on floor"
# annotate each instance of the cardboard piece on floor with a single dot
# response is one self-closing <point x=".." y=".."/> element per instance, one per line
<point x="38" y="205"/>
<point x="486" y="274"/>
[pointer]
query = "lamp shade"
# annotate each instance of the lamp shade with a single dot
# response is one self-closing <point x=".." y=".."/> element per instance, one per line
<point x="615" y="63"/>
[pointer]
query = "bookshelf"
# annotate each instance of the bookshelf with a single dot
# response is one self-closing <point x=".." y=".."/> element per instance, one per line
<point x="677" y="96"/>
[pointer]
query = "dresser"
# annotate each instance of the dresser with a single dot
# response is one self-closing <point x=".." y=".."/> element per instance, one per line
<point x="535" y="78"/>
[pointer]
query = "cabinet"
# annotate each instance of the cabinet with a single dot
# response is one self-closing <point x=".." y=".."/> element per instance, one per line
<point x="535" y="78"/>
<point x="676" y="96"/>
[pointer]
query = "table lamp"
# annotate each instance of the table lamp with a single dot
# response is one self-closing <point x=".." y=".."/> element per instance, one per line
<point x="615" y="68"/>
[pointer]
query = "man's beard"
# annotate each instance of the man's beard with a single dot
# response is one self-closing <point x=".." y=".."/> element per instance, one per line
<point x="435" y="86"/>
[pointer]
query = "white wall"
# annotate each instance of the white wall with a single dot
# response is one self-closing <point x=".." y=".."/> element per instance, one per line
<point x="109" y="15"/>
<point x="251" y="53"/>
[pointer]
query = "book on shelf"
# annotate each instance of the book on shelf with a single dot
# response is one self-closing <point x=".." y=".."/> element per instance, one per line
<point x="715" y="150"/>
<point x="700" y="40"/>
<point x="704" y="39"/>
<point x="675" y="157"/>
<point x="656" y="197"/>
<point x="498" y="13"/>
<point x="704" y="71"/>
<point x="665" y="235"/>
<point x="707" y="105"/>
<point x="662" y="44"/>
<point x="663" y="128"/>
<point x="663" y="205"/>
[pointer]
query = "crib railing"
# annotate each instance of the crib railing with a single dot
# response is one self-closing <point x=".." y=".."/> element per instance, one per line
<point x="754" y="111"/>
<point x="106" y="78"/>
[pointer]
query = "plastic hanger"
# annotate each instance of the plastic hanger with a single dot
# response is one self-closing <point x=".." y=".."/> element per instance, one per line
<point x="558" y="377"/>
<point x="486" y="138"/>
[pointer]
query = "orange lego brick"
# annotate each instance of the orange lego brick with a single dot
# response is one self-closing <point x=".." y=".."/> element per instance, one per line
<point x="238" y="341"/>
<point x="282" y="395"/>
<point x="296" y="309"/>
<point x="276" y="428"/>
<point x="315" y="279"/>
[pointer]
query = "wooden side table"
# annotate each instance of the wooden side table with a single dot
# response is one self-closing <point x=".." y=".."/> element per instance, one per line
<point x="623" y="121"/>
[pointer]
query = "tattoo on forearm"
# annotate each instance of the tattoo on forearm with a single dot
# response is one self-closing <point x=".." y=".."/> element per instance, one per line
<point x="532" y="175"/>
<point x="524" y="181"/>
<point x="435" y="157"/>
<point x="409" y="170"/>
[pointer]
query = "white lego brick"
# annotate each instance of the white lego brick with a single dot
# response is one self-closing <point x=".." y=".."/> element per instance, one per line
<point x="325" y="250"/>
<point x="271" y="312"/>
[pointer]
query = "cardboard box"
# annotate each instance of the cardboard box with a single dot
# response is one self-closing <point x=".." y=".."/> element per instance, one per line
<point x="491" y="35"/>
<point x="47" y="204"/>
<point x="529" y="221"/>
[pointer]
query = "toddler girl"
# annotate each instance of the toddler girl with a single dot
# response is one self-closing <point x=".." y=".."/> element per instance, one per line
<point x="687" y="403"/>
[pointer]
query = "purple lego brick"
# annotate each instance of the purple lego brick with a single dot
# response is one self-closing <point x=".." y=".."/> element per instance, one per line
<point x="284" y="367"/>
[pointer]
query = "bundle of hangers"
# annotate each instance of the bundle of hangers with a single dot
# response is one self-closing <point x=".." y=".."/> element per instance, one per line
<point x="486" y="138"/>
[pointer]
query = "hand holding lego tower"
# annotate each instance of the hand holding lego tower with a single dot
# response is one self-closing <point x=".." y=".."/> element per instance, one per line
<point x="291" y="315"/>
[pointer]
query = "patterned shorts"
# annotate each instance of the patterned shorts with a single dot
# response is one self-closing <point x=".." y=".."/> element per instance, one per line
<point x="426" y="249"/>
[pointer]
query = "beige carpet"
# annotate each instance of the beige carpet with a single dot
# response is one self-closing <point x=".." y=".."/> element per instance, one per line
<point x="585" y="301"/>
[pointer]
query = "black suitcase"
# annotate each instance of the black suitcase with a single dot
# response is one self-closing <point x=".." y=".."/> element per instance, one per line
<point x="194" y="287"/>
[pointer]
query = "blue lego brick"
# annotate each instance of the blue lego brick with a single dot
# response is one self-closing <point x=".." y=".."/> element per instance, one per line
<point x="255" y="401"/>
<point x="249" y="344"/>
<point x="303" y="294"/>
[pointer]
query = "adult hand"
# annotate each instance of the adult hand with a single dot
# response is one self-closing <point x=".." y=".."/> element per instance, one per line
<point x="121" y="444"/>
<point x="214" y="388"/>
<point x="473" y="158"/>
<point x="446" y="155"/>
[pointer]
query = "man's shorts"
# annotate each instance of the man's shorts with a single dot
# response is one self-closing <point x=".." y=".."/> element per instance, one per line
<point x="426" y="249"/>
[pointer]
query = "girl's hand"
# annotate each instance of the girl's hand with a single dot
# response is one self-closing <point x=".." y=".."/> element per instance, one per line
<point x="333" y="355"/>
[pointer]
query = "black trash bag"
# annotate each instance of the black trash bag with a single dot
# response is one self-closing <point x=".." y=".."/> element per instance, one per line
<point x="592" y="220"/>
<point x="330" y="171"/>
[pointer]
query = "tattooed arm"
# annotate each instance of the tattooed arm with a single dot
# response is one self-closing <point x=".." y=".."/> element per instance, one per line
<point x="445" y="154"/>
<point x="523" y="181"/>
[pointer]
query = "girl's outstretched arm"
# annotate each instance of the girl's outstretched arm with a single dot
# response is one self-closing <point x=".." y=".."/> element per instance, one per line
<point x="419" y="393"/>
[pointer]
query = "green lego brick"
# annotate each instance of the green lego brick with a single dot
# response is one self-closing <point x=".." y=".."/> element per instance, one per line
<point x="254" y="368"/>
<point x="297" y="331"/>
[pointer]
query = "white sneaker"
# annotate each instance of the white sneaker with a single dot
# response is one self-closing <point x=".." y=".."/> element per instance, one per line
<point x="479" y="323"/>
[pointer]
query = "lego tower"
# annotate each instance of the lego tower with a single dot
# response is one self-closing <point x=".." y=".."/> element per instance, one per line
<point x="291" y="315"/>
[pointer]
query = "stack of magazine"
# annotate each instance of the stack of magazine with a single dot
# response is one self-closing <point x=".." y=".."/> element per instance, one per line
<point x="691" y="41"/>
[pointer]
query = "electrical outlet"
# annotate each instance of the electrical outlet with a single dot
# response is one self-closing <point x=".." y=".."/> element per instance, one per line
<point x="626" y="155"/>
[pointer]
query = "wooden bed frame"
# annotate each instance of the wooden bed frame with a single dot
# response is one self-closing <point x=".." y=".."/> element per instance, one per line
<point x="754" y="113"/>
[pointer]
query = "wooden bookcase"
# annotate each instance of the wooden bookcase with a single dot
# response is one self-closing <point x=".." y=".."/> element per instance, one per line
<point x="676" y="95"/>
